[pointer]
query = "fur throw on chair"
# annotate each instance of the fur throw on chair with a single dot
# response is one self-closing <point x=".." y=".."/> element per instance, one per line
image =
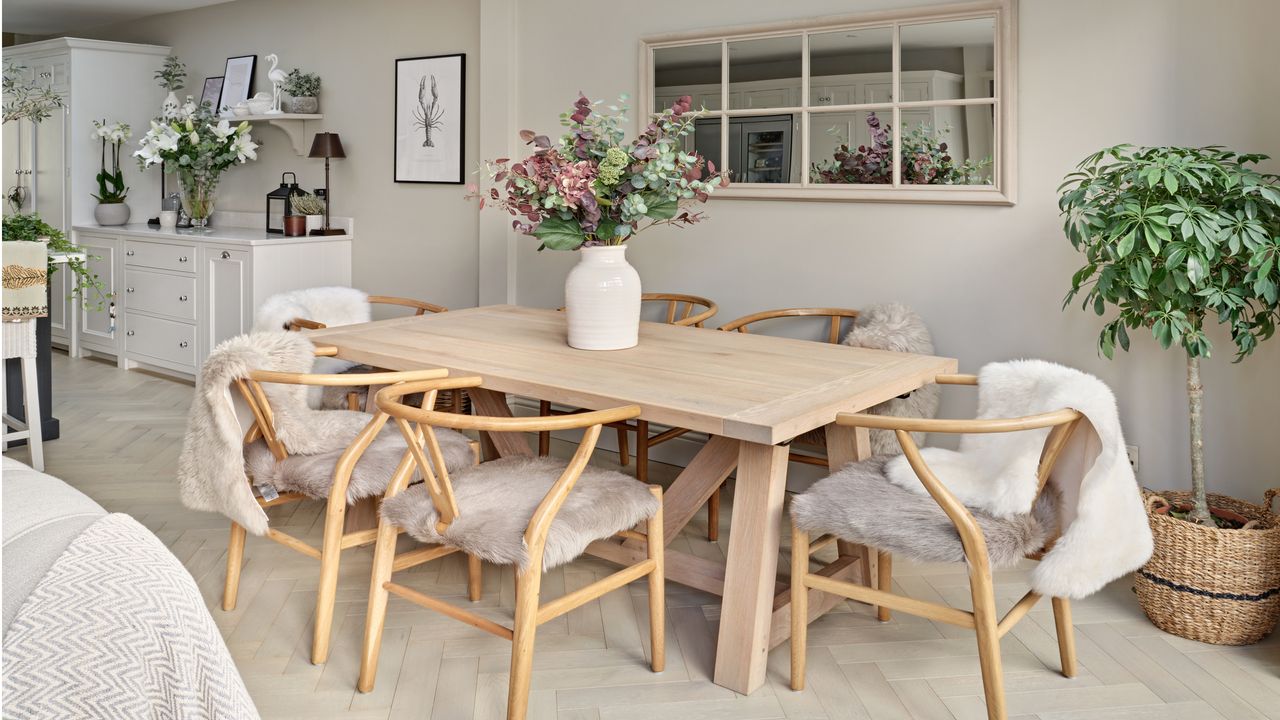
<point x="1105" y="526"/>
<point x="329" y="305"/>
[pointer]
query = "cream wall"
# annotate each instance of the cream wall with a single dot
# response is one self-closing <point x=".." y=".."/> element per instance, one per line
<point x="990" y="281"/>
<point x="413" y="240"/>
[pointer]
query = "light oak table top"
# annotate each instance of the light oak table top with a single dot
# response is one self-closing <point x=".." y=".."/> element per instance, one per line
<point x="747" y="387"/>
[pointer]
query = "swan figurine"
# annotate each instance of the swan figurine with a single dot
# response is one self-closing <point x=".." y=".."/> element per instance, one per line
<point x="276" y="76"/>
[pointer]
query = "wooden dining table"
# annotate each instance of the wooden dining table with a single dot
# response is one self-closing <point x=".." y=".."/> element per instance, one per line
<point x="749" y="394"/>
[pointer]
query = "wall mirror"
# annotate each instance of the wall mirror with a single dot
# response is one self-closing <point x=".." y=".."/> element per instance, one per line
<point x="913" y="105"/>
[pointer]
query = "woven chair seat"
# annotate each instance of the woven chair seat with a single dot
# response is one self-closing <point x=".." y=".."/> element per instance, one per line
<point x="497" y="499"/>
<point x="859" y="504"/>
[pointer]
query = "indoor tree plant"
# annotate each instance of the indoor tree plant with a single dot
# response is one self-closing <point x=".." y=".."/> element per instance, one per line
<point x="111" y="209"/>
<point x="592" y="190"/>
<point x="304" y="91"/>
<point x="199" y="150"/>
<point x="1173" y="236"/>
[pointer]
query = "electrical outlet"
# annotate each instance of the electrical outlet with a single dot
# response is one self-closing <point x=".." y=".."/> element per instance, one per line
<point x="1132" y="452"/>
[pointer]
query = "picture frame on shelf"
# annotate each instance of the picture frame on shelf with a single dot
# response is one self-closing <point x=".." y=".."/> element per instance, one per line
<point x="212" y="92"/>
<point x="237" y="80"/>
<point x="430" y="119"/>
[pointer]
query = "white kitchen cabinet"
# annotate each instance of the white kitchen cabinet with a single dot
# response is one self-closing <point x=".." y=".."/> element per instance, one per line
<point x="178" y="293"/>
<point x="98" y="320"/>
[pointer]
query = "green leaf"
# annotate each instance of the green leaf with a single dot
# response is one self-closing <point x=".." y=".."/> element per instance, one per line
<point x="1171" y="182"/>
<point x="560" y="234"/>
<point x="1125" y="246"/>
<point x="662" y="209"/>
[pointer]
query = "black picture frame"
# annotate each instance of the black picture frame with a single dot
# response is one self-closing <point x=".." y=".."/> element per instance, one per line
<point x="442" y="162"/>
<point x="236" y="85"/>
<point x="212" y="87"/>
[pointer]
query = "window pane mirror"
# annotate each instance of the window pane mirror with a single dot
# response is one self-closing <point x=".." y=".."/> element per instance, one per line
<point x="811" y="110"/>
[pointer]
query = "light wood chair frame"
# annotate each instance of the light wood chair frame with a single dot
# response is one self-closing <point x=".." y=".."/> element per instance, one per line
<point x="334" y="539"/>
<point x="680" y="311"/>
<point x="835" y="329"/>
<point x="456" y="401"/>
<point x="529" y="610"/>
<point x="983" y="619"/>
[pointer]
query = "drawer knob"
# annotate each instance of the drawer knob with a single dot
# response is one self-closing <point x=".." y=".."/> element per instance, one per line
<point x="128" y="289"/>
<point x="130" y="333"/>
<point x="182" y="298"/>
<point x="182" y="259"/>
<point x="183" y="344"/>
<point x="226" y="255"/>
<point x="129" y="253"/>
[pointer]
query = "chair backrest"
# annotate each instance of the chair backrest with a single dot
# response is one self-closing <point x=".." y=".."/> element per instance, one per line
<point x="416" y="425"/>
<point x="420" y="307"/>
<point x="836" y="317"/>
<point x="680" y="308"/>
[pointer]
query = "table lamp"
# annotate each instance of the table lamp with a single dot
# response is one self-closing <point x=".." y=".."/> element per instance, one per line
<point x="327" y="145"/>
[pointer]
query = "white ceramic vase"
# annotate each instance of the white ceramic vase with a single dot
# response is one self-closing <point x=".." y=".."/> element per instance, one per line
<point x="314" y="222"/>
<point x="602" y="300"/>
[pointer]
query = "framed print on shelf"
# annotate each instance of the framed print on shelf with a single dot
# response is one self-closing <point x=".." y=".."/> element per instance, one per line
<point x="237" y="81"/>
<point x="212" y="93"/>
<point x="429" y="119"/>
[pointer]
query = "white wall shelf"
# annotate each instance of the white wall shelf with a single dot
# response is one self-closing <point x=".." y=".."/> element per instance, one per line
<point x="293" y="125"/>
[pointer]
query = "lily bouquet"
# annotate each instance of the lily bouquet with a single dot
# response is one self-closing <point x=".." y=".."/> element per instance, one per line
<point x="111" y="187"/>
<point x="199" y="150"/>
<point x="593" y="188"/>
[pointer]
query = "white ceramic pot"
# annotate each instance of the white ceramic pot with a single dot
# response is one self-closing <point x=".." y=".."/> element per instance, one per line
<point x="602" y="300"/>
<point x="111" y="213"/>
<point x="314" y="222"/>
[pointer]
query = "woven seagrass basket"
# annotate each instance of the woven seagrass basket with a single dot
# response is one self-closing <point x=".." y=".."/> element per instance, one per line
<point x="1211" y="585"/>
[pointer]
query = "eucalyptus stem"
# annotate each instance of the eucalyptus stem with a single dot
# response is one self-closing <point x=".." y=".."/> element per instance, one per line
<point x="1195" y="394"/>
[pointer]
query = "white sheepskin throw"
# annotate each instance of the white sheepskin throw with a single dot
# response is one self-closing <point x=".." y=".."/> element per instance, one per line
<point x="1106" y="533"/>
<point x="332" y="306"/>
<point x="895" y="327"/>
<point x="211" y="469"/>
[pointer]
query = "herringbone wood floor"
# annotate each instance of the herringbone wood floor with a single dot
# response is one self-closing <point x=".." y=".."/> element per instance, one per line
<point x="121" y="433"/>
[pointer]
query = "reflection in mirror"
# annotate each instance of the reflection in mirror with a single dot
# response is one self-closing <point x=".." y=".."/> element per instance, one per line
<point x="764" y="73"/>
<point x="762" y="148"/>
<point x="692" y="70"/>
<point x="857" y="148"/>
<point x="963" y="48"/>
<point x="836" y="56"/>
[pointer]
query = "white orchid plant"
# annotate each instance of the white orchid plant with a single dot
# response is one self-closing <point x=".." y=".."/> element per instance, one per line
<point x="111" y="187"/>
<point x="197" y="144"/>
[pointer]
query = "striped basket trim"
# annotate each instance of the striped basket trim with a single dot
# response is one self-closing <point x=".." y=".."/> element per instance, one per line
<point x="1258" y="597"/>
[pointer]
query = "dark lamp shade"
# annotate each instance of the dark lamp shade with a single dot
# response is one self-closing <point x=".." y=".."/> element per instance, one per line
<point x="327" y="145"/>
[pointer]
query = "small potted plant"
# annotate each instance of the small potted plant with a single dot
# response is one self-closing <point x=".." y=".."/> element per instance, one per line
<point x="311" y="206"/>
<point x="304" y="92"/>
<point x="593" y="191"/>
<point x="111" y="209"/>
<point x="1173" y="236"/>
<point x="171" y="75"/>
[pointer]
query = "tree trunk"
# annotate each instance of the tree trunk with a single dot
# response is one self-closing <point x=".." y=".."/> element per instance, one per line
<point x="1195" y="393"/>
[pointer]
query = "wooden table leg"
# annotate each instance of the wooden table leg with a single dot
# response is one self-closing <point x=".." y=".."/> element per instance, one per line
<point x="361" y="515"/>
<point x="750" y="577"/>
<point x="488" y="402"/>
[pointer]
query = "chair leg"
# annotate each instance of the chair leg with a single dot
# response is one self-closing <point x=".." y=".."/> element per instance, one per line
<point x="544" y="437"/>
<point x="624" y="452"/>
<point x="642" y="451"/>
<point x="1066" y="635"/>
<point x="384" y="554"/>
<point x="713" y="515"/>
<point x="528" y="587"/>
<point x="799" y="605"/>
<point x="475" y="579"/>
<point x="330" y="555"/>
<point x="31" y="410"/>
<point x="235" y="560"/>
<point x="657" y="587"/>
<point x="884" y="582"/>
<point x="984" y="617"/>
<point x="353" y="401"/>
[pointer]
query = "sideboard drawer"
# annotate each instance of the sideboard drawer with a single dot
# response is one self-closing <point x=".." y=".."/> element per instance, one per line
<point x="153" y="292"/>
<point x="160" y="255"/>
<point x="162" y="339"/>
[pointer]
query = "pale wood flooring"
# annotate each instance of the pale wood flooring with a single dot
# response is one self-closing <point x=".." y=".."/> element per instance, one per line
<point x="121" y="433"/>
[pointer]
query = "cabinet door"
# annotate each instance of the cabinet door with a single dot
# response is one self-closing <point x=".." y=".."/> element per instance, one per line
<point x="49" y="181"/>
<point x="226" y="272"/>
<point x="98" y="321"/>
<point x="60" y="303"/>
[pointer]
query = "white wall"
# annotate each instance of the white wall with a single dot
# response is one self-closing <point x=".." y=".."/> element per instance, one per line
<point x="412" y="240"/>
<point x="990" y="281"/>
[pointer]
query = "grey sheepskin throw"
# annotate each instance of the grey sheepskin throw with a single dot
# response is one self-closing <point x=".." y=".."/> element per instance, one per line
<point x="312" y="475"/>
<point x="858" y="504"/>
<point x="497" y="499"/>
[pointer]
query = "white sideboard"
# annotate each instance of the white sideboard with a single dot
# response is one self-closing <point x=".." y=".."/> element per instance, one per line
<point x="175" y="294"/>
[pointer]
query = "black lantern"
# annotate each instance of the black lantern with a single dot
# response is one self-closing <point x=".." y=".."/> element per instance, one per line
<point x="280" y="203"/>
